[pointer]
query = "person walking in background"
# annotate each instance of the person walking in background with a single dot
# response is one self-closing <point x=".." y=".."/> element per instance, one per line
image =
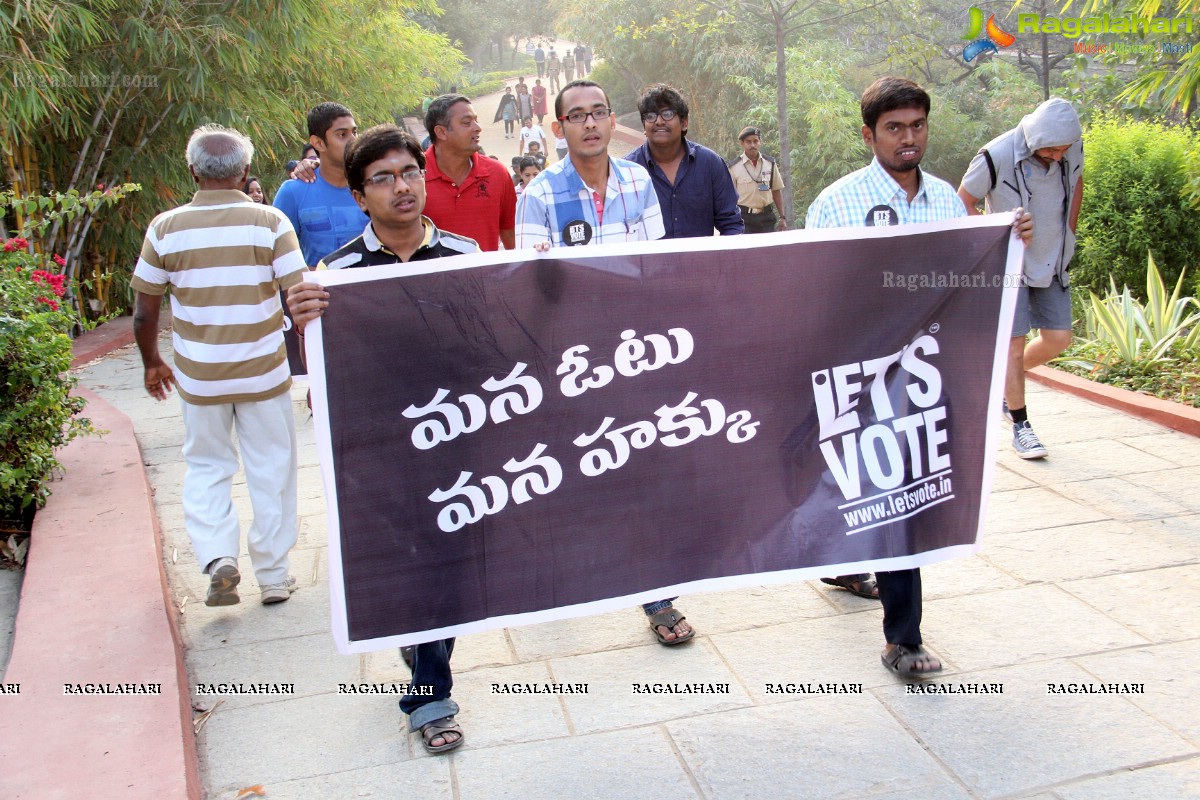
<point x="253" y="189"/>
<point x="553" y="67"/>
<point x="759" y="185"/>
<point x="539" y="60"/>
<point x="568" y="65"/>
<point x="524" y="100"/>
<point x="538" y="97"/>
<point x="224" y="259"/>
<point x="580" y="64"/>
<point x="527" y="169"/>
<point x="1038" y="165"/>
<point x="507" y="111"/>
<point x="587" y="59"/>
<point x="531" y="133"/>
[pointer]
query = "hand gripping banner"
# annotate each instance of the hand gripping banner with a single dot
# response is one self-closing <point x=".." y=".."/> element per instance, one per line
<point x="510" y="438"/>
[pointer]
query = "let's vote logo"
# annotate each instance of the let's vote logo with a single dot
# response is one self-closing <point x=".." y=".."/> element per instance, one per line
<point x="984" y="37"/>
<point x="884" y="436"/>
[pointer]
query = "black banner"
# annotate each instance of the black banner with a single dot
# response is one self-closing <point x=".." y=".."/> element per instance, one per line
<point x="514" y="438"/>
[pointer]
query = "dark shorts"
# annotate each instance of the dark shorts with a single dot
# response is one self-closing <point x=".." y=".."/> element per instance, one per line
<point x="1048" y="308"/>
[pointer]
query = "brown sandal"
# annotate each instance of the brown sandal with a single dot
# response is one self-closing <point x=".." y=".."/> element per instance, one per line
<point x="440" y="727"/>
<point x="669" y="617"/>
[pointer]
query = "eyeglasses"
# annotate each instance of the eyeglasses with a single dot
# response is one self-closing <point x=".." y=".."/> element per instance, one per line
<point x="666" y="115"/>
<point x="577" y="117"/>
<point x="410" y="176"/>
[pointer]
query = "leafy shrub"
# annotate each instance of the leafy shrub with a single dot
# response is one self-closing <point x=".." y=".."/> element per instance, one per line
<point x="37" y="413"/>
<point x="1134" y="200"/>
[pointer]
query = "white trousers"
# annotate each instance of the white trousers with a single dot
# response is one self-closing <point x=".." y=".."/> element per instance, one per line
<point x="266" y="432"/>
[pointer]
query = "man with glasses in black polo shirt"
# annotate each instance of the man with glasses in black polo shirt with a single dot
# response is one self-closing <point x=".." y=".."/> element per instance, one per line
<point x="385" y="169"/>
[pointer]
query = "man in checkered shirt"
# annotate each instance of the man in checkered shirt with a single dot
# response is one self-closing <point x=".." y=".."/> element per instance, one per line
<point x="564" y="207"/>
<point x="588" y="197"/>
<point x="892" y="190"/>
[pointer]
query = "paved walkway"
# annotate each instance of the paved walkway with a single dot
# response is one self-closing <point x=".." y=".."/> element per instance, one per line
<point x="1089" y="574"/>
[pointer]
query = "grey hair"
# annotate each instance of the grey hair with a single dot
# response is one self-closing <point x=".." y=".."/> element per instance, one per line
<point x="217" y="152"/>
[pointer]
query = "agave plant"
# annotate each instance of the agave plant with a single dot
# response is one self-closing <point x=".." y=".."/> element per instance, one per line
<point x="1132" y="331"/>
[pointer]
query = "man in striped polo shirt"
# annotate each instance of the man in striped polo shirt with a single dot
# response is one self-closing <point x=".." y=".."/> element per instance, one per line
<point x="225" y="258"/>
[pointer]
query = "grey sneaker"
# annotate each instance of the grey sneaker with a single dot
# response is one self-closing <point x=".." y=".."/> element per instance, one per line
<point x="223" y="581"/>
<point x="1026" y="442"/>
<point x="1007" y="414"/>
<point x="278" y="592"/>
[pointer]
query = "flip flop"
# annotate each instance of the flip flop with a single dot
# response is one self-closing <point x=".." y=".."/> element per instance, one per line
<point x="669" y="618"/>
<point x="858" y="585"/>
<point x="438" y="727"/>
<point x="903" y="658"/>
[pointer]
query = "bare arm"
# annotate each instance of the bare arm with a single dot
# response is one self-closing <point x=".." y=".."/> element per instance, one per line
<point x="508" y="238"/>
<point x="1076" y="202"/>
<point x="971" y="202"/>
<point x="159" y="377"/>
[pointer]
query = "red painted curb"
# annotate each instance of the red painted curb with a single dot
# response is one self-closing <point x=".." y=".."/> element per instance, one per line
<point x="1173" y="415"/>
<point x="94" y="610"/>
<point x="112" y="335"/>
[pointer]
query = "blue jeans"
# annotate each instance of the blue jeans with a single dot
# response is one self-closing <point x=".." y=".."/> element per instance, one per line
<point x="659" y="605"/>
<point x="431" y="667"/>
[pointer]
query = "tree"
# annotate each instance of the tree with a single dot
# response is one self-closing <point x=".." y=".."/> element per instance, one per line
<point x="785" y="18"/>
<point x="1167" y="82"/>
<point x="107" y="91"/>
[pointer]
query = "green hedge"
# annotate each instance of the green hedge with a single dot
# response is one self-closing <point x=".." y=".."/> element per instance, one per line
<point x="1135" y="199"/>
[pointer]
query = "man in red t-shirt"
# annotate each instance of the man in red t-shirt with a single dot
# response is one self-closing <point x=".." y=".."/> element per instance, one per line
<point x="466" y="192"/>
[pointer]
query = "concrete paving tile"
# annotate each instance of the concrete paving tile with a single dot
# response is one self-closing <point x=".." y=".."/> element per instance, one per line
<point x="492" y="718"/>
<point x="1159" y="604"/>
<point x="1180" y="779"/>
<point x="1120" y="499"/>
<point x="312" y="530"/>
<point x="838" y="650"/>
<point x="1183" y="529"/>
<point x="1034" y="623"/>
<point x="309" y="662"/>
<point x="1178" y="448"/>
<point x="1086" y="551"/>
<point x="610" y="676"/>
<point x="614" y="630"/>
<point x="621" y="765"/>
<point x="304" y="737"/>
<point x="736" y="754"/>
<point x="1080" y="461"/>
<point x="1032" y="509"/>
<point x="1005" y="480"/>
<point x="471" y="652"/>
<point x="755" y="607"/>
<point x="1170" y="677"/>
<point x="303" y="563"/>
<point x="10" y="595"/>
<point x="306" y="613"/>
<point x="1181" y="484"/>
<point x="1026" y="738"/>
<point x="964" y="576"/>
<point x="1089" y="426"/>
<point x="427" y="779"/>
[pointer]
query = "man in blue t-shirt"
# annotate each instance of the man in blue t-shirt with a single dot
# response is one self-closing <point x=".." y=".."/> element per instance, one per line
<point x="323" y="212"/>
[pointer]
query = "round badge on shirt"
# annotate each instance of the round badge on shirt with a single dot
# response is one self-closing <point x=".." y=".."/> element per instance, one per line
<point x="576" y="232"/>
<point x="882" y="215"/>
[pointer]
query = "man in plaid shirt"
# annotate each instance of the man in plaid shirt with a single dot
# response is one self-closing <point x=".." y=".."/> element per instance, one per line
<point x="892" y="190"/>
<point x="563" y="207"/>
<point x="588" y="197"/>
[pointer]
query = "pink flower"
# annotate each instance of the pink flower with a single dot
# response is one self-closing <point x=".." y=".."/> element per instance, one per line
<point x="18" y="243"/>
<point x="62" y="262"/>
<point x="52" y="303"/>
